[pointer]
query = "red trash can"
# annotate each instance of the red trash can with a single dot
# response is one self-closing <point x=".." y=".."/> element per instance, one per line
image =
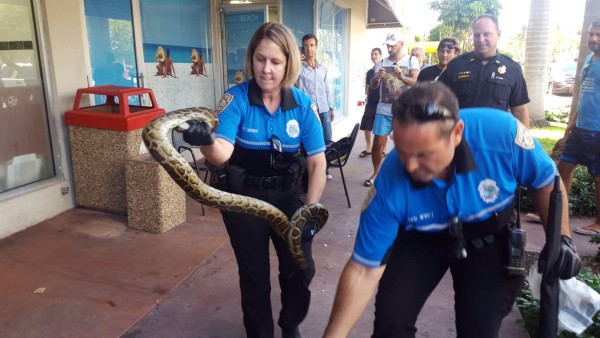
<point x="103" y="137"/>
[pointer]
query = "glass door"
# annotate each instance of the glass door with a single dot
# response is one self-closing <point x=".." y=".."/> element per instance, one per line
<point x="333" y="47"/>
<point x="111" y="44"/>
<point x="238" y="25"/>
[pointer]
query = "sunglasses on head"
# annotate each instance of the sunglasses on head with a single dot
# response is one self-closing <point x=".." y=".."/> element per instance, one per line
<point x="431" y="112"/>
<point x="448" y="45"/>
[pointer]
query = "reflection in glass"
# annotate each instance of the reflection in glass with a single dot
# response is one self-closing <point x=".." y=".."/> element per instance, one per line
<point x="112" y="50"/>
<point x="333" y="44"/>
<point x="25" y="150"/>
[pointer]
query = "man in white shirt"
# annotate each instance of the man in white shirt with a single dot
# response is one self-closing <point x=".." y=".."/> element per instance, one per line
<point x="314" y="81"/>
<point x="392" y="75"/>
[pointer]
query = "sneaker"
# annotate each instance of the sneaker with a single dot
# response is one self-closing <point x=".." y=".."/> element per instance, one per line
<point x="329" y="177"/>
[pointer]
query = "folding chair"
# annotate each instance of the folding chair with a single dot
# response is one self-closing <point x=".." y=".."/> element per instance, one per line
<point x="182" y="146"/>
<point x="337" y="154"/>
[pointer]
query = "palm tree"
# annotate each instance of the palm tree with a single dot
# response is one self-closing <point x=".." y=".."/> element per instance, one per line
<point x="592" y="11"/>
<point x="537" y="56"/>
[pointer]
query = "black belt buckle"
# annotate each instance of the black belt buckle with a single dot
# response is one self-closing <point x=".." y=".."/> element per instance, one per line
<point x="456" y="231"/>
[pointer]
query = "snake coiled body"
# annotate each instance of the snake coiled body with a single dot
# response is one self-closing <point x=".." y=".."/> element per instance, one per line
<point x="157" y="136"/>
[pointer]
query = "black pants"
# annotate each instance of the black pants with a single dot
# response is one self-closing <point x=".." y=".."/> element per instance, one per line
<point x="250" y="241"/>
<point x="483" y="294"/>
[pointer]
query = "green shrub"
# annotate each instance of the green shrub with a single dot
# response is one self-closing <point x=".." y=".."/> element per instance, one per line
<point x="558" y="115"/>
<point x="582" y="198"/>
<point x="530" y="308"/>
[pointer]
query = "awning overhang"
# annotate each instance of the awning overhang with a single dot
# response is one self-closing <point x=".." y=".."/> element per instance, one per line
<point x="381" y="15"/>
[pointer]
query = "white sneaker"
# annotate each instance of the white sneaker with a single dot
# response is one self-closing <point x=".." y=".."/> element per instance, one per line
<point x="329" y="177"/>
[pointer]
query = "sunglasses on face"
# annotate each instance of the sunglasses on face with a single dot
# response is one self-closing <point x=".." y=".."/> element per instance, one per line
<point x="276" y="152"/>
<point x="431" y="112"/>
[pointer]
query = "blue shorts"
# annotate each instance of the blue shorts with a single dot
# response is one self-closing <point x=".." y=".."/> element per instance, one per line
<point x="382" y="125"/>
<point x="583" y="147"/>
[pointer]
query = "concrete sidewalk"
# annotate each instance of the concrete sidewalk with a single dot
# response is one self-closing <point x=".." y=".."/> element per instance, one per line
<point x="86" y="274"/>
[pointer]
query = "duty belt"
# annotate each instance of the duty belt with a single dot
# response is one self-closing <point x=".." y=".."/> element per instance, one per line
<point x="267" y="183"/>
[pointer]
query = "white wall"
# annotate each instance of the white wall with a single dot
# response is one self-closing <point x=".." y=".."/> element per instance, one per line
<point x="63" y="51"/>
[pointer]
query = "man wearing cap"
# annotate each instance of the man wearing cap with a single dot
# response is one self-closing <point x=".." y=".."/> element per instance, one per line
<point x="392" y="75"/>
<point x="447" y="50"/>
<point x="486" y="78"/>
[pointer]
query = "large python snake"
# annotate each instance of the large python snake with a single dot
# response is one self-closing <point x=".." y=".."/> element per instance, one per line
<point x="157" y="135"/>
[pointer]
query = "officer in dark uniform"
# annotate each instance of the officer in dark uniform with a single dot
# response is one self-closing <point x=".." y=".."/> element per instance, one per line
<point x="442" y="201"/>
<point x="486" y="78"/>
<point x="269" y="134"/>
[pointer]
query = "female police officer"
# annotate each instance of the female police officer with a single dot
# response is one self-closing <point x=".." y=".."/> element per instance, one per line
<point x="446" y="173"/>
<point x="263" y="123"/>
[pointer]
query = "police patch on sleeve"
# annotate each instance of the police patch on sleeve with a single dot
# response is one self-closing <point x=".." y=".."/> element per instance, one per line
<point x="524" y="139"/>
<point x="314" y="109"/>
<point x="225" y="101"/>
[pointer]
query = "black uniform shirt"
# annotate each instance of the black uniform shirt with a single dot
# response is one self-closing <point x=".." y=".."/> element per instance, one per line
<point x="497" y="84"/>
<point x="429" y="74"/>
<point x="373" y="97"/>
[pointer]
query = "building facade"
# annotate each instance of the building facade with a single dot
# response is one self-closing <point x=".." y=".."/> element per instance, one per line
<point x="188" y="52"/>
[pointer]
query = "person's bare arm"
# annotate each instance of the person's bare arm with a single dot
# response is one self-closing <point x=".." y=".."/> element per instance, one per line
<point x="316" y="166"/>
<point x="541" y="199"/>
<point x="377" y="79"/>
<point x="521" y="113"/>
<point x="355" y="290"/>
<point x="411" y="79"/>
<point x="572" y="123"/>
<point x="219" y="152"/>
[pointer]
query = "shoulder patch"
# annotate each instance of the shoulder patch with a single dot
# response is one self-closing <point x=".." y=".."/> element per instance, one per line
<point x="314" y="109"/>
<point x="524" y="139"/>
<point x="370" y="195"/>
<point x="224" y="102"/>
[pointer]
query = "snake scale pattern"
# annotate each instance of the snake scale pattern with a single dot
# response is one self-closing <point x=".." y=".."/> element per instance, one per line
<point x="157" y="137"/>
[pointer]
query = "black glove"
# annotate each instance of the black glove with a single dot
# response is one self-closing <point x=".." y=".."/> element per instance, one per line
<point x="309" y="231"/>
<point x="568" y="263"/>
<point x="199" y="133"/>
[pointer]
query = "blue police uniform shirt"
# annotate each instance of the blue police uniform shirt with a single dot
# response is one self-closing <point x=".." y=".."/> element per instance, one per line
<point x="245" y="122"/>
<point x="488" y="164"/>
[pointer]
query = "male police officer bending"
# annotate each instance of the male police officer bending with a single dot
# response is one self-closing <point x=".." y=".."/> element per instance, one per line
<point x="447" y="173"/>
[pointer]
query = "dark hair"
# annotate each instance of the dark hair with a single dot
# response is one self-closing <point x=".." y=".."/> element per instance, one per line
<point x="449" y="40"/>
<point x="310" y="36"/>
<point x="595" y="23"/>
<point x="377" y="49"/>
<point x="414" y="104"/>
<point x="488" y="16"/>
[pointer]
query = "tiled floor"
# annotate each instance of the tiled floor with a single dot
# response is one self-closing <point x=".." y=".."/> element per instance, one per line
<point x="85" y="274"/>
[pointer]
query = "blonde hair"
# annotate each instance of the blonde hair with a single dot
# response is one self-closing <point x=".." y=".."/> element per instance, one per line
<point x="160" y="53"/>
<point x="282" y="37"/>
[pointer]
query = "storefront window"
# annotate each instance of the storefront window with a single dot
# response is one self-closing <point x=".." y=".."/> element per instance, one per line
<point x="333" y="44"/>
<point x="25" y="149"/>
<point x="298" y="15"/>
<point x="112" y="50"/>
